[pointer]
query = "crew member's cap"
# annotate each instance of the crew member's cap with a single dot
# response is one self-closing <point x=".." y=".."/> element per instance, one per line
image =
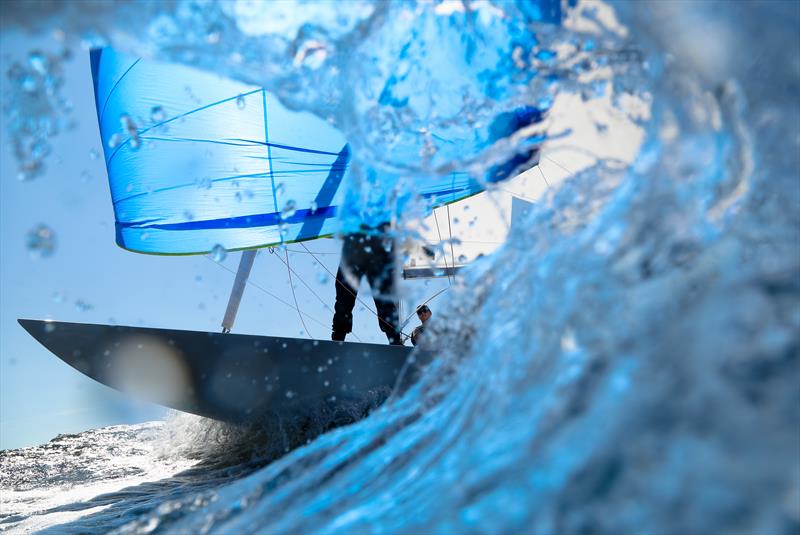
<point x="423" y="308"/>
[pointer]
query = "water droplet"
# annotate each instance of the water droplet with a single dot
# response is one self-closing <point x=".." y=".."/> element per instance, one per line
<point x="238" y="197"/>
<point x="462" y="258"/>
<point x="157" y="114"/>
<point x="29" y="83"/>
<point x="58" y="297"/>
<point x="203" y="183"/>
<point x="279" y="188"/>
<point x="129" y="127"/>
<point x="367" y="249"/>
<point x="213" y="35"/>
<point x="327" y="383"/>
<point x="289" y="209"/>
<point x="82" y="306"/>
<point x="290" y="394"/>
<point x="188" y="214"/>
<point x="313" y="207"/>
<point x="93" y="154"/>
<point x="114" y="140"/>
<point x="240" y="103"/>
<point x="41" y="241"/>
<point x="49" y="327"/>
<point x="322" y="277"/>
<point x="38" y="61"/>
<point x="218" y="253"/>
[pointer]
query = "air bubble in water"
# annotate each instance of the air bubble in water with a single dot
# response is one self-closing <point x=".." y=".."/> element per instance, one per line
<point x="157" y="114"/>
<point x="289" y="209"/>
<point x="41" y="241"/>
<point x="218" y="253"/>
<point x="240" y="103"/>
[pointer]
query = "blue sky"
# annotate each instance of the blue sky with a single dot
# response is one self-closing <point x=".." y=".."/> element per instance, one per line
<point x="40" y="396"/>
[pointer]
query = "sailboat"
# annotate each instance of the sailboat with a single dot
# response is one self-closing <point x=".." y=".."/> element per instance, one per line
<point x="199" y="164"/>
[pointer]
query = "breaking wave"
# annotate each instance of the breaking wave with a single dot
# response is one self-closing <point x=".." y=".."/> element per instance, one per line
<point x="628" y="360"/>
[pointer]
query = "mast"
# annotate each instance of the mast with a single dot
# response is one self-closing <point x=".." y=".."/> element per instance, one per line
<point x="242" y="274"/>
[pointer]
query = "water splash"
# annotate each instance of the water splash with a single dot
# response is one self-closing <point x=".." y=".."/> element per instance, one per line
<point x="36" y="110"/>
<point x="632" y="351"/>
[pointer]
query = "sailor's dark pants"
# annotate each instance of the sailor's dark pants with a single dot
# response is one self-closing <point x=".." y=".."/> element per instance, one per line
<point x="373" y="256"/>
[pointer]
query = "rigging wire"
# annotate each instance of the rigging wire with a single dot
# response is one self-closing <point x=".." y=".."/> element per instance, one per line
<point x="428" y="300"/>
<point x="294" y="296"/>
<point x="310" y="289"/>
<point x="254" y="285"/>
<point x="374" y="313"/>
<point x="436" y="219"/>
<point x="558" y="164"/>
<point x="452" y="253"/>
<point x="539" y="167"/>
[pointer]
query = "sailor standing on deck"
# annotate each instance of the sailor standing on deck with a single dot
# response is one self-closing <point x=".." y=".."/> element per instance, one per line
<point x="367" y="249"/>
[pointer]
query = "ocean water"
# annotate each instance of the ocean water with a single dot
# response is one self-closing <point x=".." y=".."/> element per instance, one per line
<point x="628" y="362"/>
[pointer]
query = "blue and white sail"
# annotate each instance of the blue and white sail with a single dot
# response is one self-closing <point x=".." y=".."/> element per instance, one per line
<point x="197" y="161"/>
